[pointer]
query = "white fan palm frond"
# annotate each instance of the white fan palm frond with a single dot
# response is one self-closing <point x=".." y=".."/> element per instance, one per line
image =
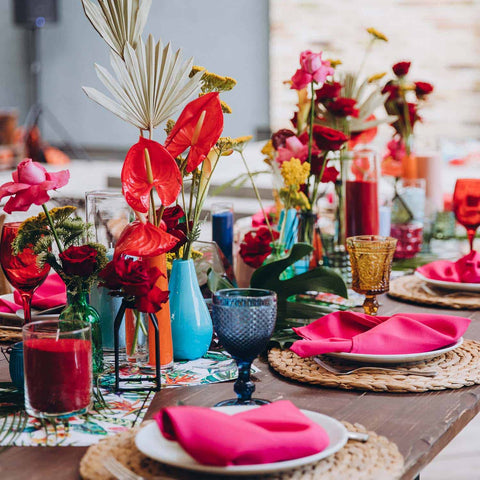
<point x="118" y="21"/>
<point x="151" y="84"/>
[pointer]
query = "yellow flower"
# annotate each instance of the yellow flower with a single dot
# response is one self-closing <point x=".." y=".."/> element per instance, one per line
<point x="239" y="143"/>
<point x="295" y="173"/>
<point x="269" y="151"/>
<point x="225" y="107"/>
<point x="334" y="62"/>
<point x="169" y="126"/>
<point x="377" y="35"/>
<point x="211" y="82"/>
<point x="377" y="76"/>
<point x="294" y="198"/>
<point x="196" y="69"/>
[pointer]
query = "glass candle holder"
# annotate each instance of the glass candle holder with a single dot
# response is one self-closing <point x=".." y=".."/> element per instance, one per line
<point x="371" y="260"/>
<point x="222" y="228"/>
<point x="58" y="368"/>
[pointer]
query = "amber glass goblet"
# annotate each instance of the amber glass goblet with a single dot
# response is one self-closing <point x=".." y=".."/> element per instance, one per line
<point x="371" y="259"/>
<point x="21" y="270"/>
<point x="466" y="205"/>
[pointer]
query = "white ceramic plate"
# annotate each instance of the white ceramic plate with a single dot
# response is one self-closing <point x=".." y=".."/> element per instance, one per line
<point x="36" y="314"/>
<point x="394" y="359"/>
<point x="463" y="287"/>
<point x="152" y="443"/>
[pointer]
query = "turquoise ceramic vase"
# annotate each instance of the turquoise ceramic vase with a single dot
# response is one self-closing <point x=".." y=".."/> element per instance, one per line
<point x="191" y="323"/>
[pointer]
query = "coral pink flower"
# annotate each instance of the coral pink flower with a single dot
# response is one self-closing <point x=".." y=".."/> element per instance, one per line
<point x="30" y="185"/>
<point x="312" y="69"/>
<point x="293" y="148"/>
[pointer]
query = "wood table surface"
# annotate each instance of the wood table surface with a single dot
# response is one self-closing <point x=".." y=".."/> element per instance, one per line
<point x="421" y="424"/>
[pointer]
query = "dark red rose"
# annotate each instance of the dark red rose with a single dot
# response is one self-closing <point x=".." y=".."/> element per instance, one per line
<point x="279" y="138"/>
<point x="330" y="174"/>
<point x="172" y="215"/>
<point x="329" y="91"/>
<point x="343" y="107"/>
<point x="80" y="261"/>
<point x="328" y="139"/>
<point x="401" y="69"/>
<point x="171" y="218"/>
<point x="153" y="301"/>
<point x="392" y="89"/>
<point x="413" y="114"/>
<point x="255" y="247"/>
<point x="423" y="88"/>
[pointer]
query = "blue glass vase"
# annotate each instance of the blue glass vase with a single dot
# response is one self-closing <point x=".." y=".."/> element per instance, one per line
<point x="191" y="323"/>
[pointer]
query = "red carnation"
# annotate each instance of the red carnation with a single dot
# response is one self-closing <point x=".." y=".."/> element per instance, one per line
<point x="401" y="69"/>
<point x="423" y="88"/>
<point x="329" y="91"/>
<point x="343" y="107"/>
<point x="79" y="261"/>
<point x="255" y="247"/>
<point x="392" y="89"/>
<point x="328" y="139"/>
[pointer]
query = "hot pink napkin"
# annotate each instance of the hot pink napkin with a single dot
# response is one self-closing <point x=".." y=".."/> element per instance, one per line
<point x="272" y="433"/>
<point x="360" y="333"/>
<point x="51" y="293"/>
<point x="465" y="270"/>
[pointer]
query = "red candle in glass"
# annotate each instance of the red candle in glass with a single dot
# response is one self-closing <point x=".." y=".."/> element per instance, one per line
<point x="58" y="368"/>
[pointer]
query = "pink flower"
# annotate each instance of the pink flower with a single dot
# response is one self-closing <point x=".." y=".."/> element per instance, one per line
<point x="312" y="69"/>
<point x="293" y="148"/>
<point x="31" y="182"/>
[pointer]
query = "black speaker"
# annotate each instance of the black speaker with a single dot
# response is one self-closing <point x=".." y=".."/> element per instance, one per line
<point x="35" y="13"/>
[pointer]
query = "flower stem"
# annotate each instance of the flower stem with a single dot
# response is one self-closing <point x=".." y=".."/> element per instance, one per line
<point x="310" y="133"/>
<point x="137" y="330"/>
<point x="52" y="228"/>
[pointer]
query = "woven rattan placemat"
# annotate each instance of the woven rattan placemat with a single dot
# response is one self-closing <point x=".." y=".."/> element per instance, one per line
<point x="10" y="334"/>
<point x="457" y="368"/>
<point x="377" y="458"/>
<point x="412" y="289"/>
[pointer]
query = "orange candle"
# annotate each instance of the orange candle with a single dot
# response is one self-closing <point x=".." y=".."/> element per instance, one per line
<point x="410" y="167"/>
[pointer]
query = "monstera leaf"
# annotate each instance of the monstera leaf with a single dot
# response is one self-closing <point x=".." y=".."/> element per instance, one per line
<point x="321" y="279"/>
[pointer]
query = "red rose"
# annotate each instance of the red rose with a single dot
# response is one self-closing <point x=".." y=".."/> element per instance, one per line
<point x="279" y="138"/>
<point x="152" y="302"/>
<point x="80" y="261"/>
<point x="171" y="219"/>
<point x="413" y="114"/>
<point x="401" y="69"/>
<point x="343" y="107"/>
<point x="255" y="247"/>
<point x="423" y="88"/>
<point x="327" y="138"/>
<point x="329" y="91"/>
<point x="392" y="89"/>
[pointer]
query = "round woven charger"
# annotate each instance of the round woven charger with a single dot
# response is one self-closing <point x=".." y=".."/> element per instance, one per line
<point x="412" y="289"/>
<point x="10" y="335"/>
<point x="374" y="459"/>
<point x="456" y="369"/>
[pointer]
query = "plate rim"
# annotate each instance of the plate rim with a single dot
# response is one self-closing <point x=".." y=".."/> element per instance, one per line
<point x="258" y="468"/>
<point x="463" y="287"/>
<point x="397" y="357"/>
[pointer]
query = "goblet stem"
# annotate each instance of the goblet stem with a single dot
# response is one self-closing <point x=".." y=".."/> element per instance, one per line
<point x="243" y="386"/>
<point x="471" y="237"/>
<point x="370" y="305"/>
<point x="27" y="307"/>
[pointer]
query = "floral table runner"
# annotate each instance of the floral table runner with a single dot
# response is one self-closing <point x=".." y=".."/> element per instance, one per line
<point x="111" y="413"/>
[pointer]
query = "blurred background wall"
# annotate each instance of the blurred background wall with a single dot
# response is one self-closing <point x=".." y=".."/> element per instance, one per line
<point x="228" y="37"/>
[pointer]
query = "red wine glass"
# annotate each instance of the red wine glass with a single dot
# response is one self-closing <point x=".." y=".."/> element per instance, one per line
<point x="22" y="270"/>
<point x="466" y="205"/>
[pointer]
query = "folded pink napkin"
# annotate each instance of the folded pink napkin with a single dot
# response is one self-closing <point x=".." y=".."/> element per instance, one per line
<point x="360" y="333"/>
<point x="51" y="293"/>
<point x="465" y="270"/>
<point x="272" y="433"/>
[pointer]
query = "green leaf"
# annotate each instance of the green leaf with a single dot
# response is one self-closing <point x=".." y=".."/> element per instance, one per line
<point x="320" y="279"/>
<point x="216" y="282"/>
<point x="283" y="338"/>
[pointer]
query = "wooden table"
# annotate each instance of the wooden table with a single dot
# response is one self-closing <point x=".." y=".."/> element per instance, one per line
<point x="421" y="424"/>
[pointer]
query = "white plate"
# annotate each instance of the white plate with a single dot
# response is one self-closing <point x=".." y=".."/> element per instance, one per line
<point x="463" y="287"/>
<point x="394" y="359"/>
<point x="36" y="314"/>
<point x="153" y="444"/>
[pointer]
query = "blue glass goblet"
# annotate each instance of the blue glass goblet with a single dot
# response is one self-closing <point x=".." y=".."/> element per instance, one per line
<point x="244" y="319"/>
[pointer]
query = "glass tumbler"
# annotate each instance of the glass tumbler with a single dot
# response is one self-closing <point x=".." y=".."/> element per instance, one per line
<point x="57" y="359"/>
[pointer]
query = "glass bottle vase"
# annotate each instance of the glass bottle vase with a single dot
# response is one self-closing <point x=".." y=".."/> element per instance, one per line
<point x="79" y="310"/>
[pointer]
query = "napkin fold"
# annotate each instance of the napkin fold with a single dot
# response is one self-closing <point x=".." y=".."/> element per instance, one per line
<point x="464" y="270"/>
<point x="275" y="432"/>
<point x="401" y="333"/>
<point x="51" y="293"/>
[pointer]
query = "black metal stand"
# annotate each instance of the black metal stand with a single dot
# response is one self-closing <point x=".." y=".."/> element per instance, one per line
<point x="116" y="328"/>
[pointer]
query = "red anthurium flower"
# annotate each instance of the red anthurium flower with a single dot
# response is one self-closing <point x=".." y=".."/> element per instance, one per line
<point x="144" y="240"/>
<point x="196" y="129"/>
<point x="31" y="183"/>
<point x="136" y="186"/>
<point x="364" y="137"/>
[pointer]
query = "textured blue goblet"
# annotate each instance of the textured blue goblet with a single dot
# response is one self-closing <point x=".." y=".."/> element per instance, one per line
<point x="244" y="319"/>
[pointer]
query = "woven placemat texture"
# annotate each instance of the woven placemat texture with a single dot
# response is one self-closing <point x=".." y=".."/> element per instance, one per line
<point x="412" y="289"/>
<point x="10" y="335"/>
<point x="378" y="458"/>
<point x="456" y="369"/>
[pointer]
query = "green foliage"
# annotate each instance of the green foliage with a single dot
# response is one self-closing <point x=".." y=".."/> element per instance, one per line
<point x="237" y="182"/>
<point x="320" y="279"/>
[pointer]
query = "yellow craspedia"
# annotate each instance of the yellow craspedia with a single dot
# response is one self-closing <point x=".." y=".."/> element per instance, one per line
<point x="294" y="172"/>
<point x="377" y="35"/>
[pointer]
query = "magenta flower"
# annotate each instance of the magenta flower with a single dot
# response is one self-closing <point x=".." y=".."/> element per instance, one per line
<point x="31" y="182"/>
<point x="312" y="69"/>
